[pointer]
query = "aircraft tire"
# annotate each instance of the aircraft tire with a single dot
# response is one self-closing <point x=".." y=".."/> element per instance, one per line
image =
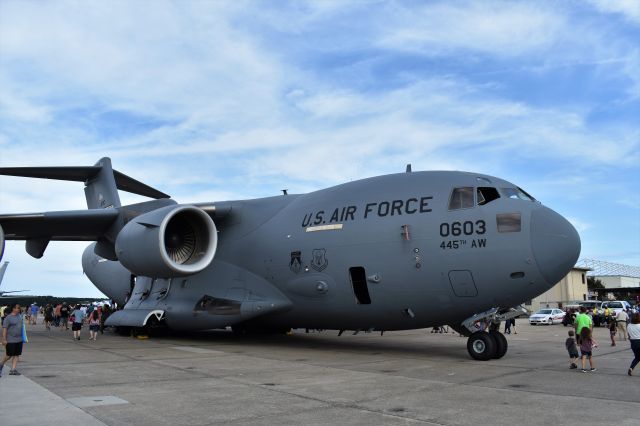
<point x="481" y="346"/>
<point x="501" y="344"/>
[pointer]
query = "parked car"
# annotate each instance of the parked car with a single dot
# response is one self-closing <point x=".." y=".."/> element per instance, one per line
<point x="571" y="306"/>
<point x="591" y="304"/>
<point x="547" y="316"/>
<point x="616" y="305"/>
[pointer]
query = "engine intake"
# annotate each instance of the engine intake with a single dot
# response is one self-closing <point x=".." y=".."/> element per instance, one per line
<point x="172" y="241"/>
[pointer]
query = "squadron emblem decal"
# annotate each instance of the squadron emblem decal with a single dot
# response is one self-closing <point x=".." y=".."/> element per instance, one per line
<point x="319" y="261"/>
<point x="296" y="261"/>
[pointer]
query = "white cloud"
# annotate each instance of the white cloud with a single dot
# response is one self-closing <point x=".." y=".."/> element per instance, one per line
<point x="579" y="224"/>
<point x="497" y="28"/>
<point x="630" y="9"/>
<point x="15" y="106"/>
<point x="164" y="61"/>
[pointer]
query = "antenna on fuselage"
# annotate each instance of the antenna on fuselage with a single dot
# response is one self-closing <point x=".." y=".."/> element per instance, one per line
<point x="408" y="170"/>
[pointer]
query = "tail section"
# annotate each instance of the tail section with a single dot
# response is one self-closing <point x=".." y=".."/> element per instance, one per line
<point x="100" y="189"/>
<point x="102" y="222"/>
<point x="2" y="269"/>
<point x="101" y="182"/>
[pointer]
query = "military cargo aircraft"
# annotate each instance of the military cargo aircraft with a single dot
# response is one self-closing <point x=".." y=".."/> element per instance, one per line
<point x="396" y="252"/>
<point x="3" y="268"/>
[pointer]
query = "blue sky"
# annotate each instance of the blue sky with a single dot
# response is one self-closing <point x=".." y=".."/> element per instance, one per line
<point x="229" y="100"/>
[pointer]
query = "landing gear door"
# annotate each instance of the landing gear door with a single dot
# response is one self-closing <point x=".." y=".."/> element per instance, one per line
<point x="462" y="283"/>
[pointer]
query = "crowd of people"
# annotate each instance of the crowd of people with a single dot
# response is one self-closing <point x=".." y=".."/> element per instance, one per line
<point x="14" y="318"/>
<point x="582" y="337"/>
<point x="579" y="344"/>
<point x="616" y="322"/>
<point x="63" y="316"/>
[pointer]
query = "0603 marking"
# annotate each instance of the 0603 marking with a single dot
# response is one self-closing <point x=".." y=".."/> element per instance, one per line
<point x="455" y="229"/>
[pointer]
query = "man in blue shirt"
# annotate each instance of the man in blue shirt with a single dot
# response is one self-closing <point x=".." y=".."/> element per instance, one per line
<point x="78" y="315"/>
<point x="34" y="313"/>
<point x="12" y="339"/>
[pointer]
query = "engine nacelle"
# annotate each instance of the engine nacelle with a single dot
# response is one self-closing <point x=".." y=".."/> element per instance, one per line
<point x="169" y="242"/>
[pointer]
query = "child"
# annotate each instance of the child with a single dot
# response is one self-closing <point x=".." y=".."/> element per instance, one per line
<point x="586" y="346"/>
<point x="612" y="330"/>
<point x="572" y="348"/>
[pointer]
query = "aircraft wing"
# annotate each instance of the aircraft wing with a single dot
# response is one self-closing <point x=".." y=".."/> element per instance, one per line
<point x="71" y="225"/>
<point x="12" y="291"/>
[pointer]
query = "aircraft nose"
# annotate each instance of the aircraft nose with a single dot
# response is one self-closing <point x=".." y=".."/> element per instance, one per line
<point x="555" y="244"/>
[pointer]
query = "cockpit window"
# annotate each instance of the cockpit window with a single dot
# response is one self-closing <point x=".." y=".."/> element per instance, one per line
<point x="516" y="194"/>
<point x="486" y="194"/>
<point x="461" y="198"/>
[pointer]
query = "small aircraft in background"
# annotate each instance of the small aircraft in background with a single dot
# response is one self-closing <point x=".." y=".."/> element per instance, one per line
<point x="3" y="268"/>
<point x="396" y="252"/>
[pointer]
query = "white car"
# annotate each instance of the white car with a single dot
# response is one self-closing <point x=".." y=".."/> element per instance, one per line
<point x="616" y="306"/>
<point x="547" y="316"/>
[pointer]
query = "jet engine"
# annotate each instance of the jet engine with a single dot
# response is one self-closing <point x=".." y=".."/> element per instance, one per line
<point x="169" y="242"/>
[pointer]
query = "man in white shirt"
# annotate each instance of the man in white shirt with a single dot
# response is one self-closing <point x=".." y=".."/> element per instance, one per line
<point x="622" y="319"/>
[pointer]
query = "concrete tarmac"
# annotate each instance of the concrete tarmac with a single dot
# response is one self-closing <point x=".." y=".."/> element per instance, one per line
<point x="408" y="377"/>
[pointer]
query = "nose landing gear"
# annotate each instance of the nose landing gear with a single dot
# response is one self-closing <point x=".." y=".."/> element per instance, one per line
<point x="481" y="346"/>
<point x="484" y="346"/>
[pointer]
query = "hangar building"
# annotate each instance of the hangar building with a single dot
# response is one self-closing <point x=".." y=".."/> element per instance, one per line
<point x="571" y="288"/>
<point x="622" y="282"/>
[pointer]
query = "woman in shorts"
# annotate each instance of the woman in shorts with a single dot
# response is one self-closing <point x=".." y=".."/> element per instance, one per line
<point x="94" y="325"/>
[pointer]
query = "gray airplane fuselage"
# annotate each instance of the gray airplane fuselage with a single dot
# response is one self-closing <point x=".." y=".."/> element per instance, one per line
<point x="385" y="253"/>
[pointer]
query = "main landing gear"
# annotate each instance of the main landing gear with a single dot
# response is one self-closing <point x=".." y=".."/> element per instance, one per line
<point x="483" y="345"/>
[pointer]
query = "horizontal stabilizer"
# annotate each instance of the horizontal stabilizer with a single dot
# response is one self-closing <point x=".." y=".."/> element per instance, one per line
<point x="71" y="225"/>
<point x="84" y="174"/>
<point x="133" y="186"/>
